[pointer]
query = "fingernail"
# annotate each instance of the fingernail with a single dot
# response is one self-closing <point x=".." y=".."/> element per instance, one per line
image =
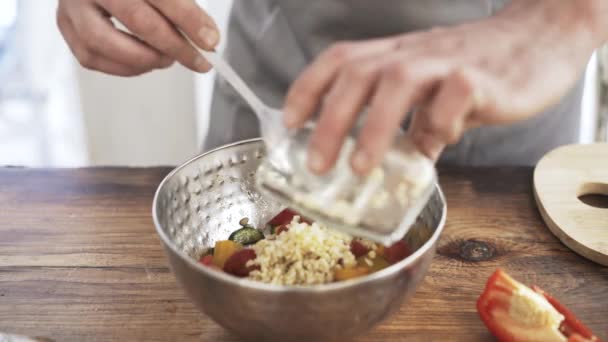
<point x="201" y="64"/>
<point x="360" y="161"/>
<point x="316" y="162"/>
<point x="209" y="36"/>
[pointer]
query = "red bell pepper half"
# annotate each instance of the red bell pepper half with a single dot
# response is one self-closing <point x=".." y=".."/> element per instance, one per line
<point x="514" y="312"/>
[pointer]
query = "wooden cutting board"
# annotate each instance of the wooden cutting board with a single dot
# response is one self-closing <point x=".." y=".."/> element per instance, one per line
<point x="561" y="177"/>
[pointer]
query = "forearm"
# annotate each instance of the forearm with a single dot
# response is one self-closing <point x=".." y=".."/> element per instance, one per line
<point x="572" y="29"/>
<point x="596" y="13"/>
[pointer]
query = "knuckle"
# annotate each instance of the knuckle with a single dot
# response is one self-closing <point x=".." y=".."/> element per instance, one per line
<point x="340" y="51"/>
<point x="93" y="37"/>
<point x="86" y="59"/>
<point x="463" y="81"/>
<point x="138" y="19"/>
<point x="397" y="73"/>
<point x="435" y="123"/>
<point x="335" y="118"/>
<point x="357" y="72"/>
<point x="443" y="129"/>
<point x="190" y="17"/>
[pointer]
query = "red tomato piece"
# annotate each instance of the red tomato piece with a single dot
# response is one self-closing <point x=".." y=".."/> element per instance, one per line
<point x="207" y="260"/>
<point x="237" y="263"/>
<point x="284" y="217"/>
<point x="358" y="249"/>
<point x="396" y="252"/>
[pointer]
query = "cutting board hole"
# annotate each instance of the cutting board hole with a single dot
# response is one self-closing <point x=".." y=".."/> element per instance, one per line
<point x="595" y="195"/>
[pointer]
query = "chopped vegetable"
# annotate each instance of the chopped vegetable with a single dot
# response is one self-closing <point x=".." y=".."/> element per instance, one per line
<point x="282" y="228"/>
<point x="380" y="249"/>
<point x="284" y="217"/>
<point x="246" y="236"/>
<point x="514" y="312"/>
<point x="237" y="263"/>
<point x="396" y="252"/>
<point x="377" y="263"/>
<point x="358" y="249"/>
<point x="346" y="258"/>
<point x="351" y="272"/>
<point x="206" y="260"/>
<point x="223" y="250"/>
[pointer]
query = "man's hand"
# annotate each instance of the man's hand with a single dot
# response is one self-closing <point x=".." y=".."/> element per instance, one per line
<point x="153" y="41"/>
<point x="493" y="71"/>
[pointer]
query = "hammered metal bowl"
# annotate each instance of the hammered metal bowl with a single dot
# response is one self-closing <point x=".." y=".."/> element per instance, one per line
<point x="203" y="200"/>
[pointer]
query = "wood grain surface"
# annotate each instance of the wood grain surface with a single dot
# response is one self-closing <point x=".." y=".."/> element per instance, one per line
<point x="560" y="178"/>
<point x="80" y="260"/>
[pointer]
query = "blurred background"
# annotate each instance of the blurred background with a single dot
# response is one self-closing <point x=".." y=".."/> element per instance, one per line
<point x="53" y="113"/>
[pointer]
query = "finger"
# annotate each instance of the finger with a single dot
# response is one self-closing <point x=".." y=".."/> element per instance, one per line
<point x="97" y="32"/>
<point x="191" y="19"/>
<point x="339" y="112"/>
<point x="149" y="25"/>
<point x="306" y="92"/>
<point x="401" y="87"/>
<point x="445" y="119"/>
<point x="425" y="142"/>
<point x="449" y="110"/>
<point x="91" y="60"/>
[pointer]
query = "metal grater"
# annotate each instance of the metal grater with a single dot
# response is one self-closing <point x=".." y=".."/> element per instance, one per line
<point x="381" y="206"/>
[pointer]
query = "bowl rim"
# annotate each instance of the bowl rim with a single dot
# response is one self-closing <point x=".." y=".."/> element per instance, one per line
<point x="257" y="285"/>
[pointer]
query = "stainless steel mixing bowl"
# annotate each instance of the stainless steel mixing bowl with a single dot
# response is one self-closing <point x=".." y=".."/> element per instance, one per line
<point x="202" y="201"/>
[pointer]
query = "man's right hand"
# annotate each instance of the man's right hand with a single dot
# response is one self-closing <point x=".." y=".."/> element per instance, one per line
<point x="152" y="43"/>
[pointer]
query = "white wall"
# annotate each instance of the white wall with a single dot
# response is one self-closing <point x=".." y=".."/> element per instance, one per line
<point x="220" y="11"/>
<point x="40" y="119"/>
<point x="156" y="119"/>
<point x="146" y="120"/>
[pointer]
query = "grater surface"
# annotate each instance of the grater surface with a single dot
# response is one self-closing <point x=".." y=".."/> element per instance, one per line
<point x="381" y="206"/>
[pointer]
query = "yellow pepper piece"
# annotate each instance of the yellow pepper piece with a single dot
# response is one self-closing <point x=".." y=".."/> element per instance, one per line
<point x="378" y="263"/>
<point x="223" y="250"/>
<point x="351" y="272"/>
<point x="380" y="250"/>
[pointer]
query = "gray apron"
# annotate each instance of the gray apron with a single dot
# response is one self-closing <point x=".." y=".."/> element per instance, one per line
<point x="271" y="41"/>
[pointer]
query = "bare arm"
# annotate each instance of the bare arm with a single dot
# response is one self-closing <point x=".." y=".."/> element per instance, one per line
<point x="498" y="70"/>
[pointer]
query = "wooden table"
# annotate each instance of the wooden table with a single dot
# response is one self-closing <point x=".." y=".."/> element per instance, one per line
<point x="80" y="260"/>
